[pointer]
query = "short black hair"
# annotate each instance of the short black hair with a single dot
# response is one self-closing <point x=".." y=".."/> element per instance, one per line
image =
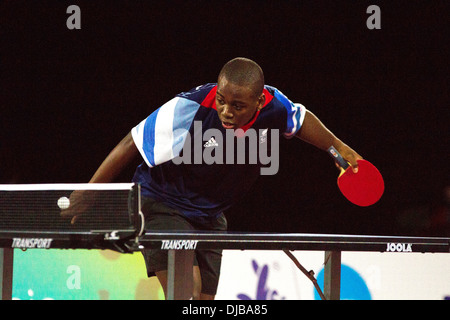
<point x="244" y="72"/>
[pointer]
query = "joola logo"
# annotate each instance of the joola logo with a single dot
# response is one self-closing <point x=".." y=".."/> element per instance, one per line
<point x="399" y="247"/>
<point x="179" y="244"/>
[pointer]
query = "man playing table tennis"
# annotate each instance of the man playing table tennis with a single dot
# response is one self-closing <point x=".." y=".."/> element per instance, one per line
<point x="191" y="194"/>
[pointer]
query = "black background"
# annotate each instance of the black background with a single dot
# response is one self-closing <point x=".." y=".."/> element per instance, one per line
<point x="69" y="96"/>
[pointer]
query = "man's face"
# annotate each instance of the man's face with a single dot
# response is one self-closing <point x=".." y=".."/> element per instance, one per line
<point x="236" y="105"/>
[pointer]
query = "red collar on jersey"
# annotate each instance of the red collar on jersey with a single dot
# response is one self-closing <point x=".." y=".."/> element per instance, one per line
<point x="210" y="102"/>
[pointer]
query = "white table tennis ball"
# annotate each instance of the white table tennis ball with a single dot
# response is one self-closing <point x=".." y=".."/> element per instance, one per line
<point x="63" y="203"/>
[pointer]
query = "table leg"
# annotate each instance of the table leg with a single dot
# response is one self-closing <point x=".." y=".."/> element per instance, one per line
<point x="6" y="273"/>
<point x="180" y="282"/>
<point x="332" y="275"/>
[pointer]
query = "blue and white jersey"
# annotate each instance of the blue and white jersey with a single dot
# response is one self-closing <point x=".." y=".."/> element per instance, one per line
<point x="192" y="164"/>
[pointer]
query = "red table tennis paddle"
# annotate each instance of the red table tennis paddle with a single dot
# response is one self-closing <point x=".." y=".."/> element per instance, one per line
<point x="363" y="188"/>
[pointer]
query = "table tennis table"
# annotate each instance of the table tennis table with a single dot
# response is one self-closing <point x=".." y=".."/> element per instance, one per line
<point x="127" y="235"/>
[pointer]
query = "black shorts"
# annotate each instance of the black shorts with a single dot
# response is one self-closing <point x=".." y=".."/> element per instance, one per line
<point x="160" y="217"/>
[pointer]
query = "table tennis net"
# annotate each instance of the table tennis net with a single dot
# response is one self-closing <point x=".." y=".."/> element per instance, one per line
<point x="35" y="207"/>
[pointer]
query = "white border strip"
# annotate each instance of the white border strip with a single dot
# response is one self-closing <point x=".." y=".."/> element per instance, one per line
<point x="162" y="150"/>
<point x="66" y="186"/>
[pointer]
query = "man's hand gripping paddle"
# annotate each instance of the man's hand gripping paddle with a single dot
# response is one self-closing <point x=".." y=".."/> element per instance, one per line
<point x="363" y="188"/>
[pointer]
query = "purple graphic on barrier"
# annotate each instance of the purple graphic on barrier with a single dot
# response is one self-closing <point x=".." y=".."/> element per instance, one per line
<point x="263" y="292"/>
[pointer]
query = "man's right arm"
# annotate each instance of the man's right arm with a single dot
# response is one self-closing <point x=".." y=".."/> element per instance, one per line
<point x="119" y="158"/>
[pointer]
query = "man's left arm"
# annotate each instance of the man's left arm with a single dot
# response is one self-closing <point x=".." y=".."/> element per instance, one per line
<point x="313" y="131"/>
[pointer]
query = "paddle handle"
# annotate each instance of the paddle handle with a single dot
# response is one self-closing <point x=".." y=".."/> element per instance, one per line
<point x="337" y="157"/>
